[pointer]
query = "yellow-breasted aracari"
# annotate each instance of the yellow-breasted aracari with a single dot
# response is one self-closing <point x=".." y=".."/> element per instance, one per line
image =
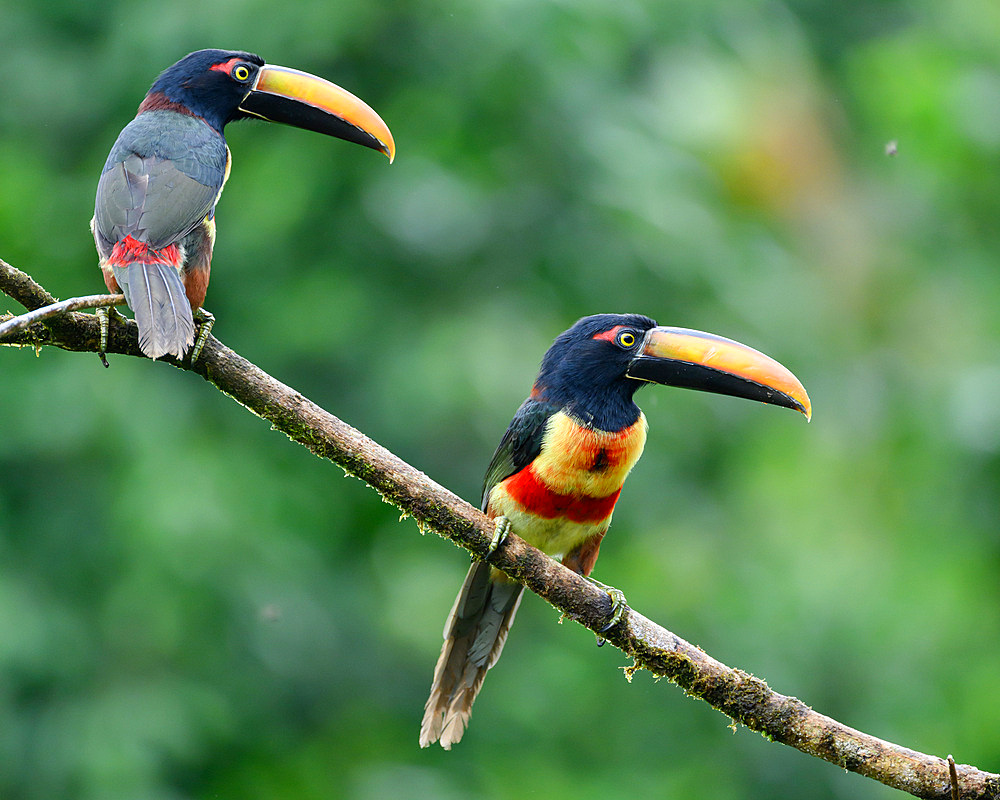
<point x="557" y="473"/>
<point x="154" y="218"/>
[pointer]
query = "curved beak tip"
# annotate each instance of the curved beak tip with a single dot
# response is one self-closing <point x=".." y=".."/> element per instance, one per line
<point x="806" y="409"/>
<point x="794" y="393"/>
<point x="793" y="389"/>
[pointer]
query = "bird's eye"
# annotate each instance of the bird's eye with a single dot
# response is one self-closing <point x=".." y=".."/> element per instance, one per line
<point x="241" y="72"/>
<point x="626" y="339"/>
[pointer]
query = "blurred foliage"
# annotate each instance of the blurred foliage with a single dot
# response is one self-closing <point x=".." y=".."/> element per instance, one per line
<point x="192" y="607"/>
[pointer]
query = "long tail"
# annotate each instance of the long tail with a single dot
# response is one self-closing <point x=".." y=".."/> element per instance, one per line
<point x="155" y="293"/>
<point x="474" y="636"/>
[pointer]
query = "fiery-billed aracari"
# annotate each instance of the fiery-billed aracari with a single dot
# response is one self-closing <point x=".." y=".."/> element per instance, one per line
<point x="558" y="471"/>
<point x="154" y="219"/>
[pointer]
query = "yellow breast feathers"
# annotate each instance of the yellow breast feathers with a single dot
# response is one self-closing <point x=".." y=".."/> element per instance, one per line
<point x="577" y="459"/>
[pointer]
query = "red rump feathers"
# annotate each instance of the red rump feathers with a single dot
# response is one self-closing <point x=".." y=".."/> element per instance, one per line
<point x="128" y="250"/>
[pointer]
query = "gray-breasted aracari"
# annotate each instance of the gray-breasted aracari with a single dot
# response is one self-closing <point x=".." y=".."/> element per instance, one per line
<point x="154" y="218"/>
<point x="557" y="473"/>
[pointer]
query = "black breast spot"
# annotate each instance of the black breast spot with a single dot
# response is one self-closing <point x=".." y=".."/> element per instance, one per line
<point x="601" y="462"/>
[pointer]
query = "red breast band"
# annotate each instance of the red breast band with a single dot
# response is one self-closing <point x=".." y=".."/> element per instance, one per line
<point x="537" y="498"/>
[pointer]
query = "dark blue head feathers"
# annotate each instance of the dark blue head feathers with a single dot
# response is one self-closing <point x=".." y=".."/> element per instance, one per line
<point x="584" y="371"/>
<point x="197" y="83"/>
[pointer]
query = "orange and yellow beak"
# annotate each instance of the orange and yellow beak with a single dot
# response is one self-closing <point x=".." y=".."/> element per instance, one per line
<point x="280" y="94"/>
<point x="696" y="360"/>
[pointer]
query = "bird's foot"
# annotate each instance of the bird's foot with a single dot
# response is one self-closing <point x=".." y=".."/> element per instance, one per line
<point x="205" y="322"/>
<point x="500" y="531"/>
<point x="618" y="606"/>
<point x="104" y="316"/>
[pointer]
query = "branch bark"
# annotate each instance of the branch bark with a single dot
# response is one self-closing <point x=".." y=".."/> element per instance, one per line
<point x="16" y="324"/>
<point x="744" y="698"/>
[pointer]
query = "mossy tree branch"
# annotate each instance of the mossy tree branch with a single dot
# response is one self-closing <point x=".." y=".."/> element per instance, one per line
<point x="744" y="698"/>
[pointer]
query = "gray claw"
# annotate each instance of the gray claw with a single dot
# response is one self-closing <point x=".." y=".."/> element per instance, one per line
<point x="618" y="607"/>
<point x="205" y="322"/>
<point x="103" y="315"/>
<point x="500" y="532"/>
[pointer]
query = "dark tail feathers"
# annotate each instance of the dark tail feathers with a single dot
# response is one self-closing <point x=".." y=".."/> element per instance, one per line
<point x="154" y="292"/>
<point x="474" y="637"/>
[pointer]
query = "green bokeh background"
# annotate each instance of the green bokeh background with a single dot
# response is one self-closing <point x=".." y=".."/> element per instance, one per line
<point x="191" y="606"/>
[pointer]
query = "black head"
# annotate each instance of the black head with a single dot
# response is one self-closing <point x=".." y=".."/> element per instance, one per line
<point x="585" y="369"/>
<point x="210" y="83"/>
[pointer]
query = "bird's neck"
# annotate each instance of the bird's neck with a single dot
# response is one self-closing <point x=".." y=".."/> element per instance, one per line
<point x="609" y="409"/>
<point x="158" y="101"/>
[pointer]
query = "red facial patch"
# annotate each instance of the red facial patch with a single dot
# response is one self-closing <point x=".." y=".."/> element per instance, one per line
<point x="608" y="336"/>
<point x="130" y="250"/>
<point x="538" y="499"/>
<point x="226" y="66"/>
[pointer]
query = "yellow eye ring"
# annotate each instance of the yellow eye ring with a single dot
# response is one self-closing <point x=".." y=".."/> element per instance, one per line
<point x="241" y="73"/>
<point x="626" y="339"/>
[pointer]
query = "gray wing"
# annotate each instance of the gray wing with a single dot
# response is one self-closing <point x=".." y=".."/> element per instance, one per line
<point x="162" y="178"/>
